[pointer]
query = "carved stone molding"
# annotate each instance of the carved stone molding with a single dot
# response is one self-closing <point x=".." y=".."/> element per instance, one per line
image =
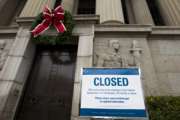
<point x="3" y="54"/>
<point x="136" y="51"/>
<point x="114" y="56"/>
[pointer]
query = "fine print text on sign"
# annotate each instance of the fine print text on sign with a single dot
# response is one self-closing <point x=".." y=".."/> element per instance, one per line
<point x="112" y="92"/>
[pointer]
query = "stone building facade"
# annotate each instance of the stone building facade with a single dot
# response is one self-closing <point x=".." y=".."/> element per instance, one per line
<point x="110" y="33"/>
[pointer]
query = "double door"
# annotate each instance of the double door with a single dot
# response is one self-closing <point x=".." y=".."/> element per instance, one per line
<point x="48" y="92"/>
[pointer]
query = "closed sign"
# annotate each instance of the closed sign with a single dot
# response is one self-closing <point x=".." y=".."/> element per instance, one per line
<point x="112" y="92"/>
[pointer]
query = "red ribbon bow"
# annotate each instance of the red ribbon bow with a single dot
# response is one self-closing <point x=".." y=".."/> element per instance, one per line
<point x="53" y="17"/>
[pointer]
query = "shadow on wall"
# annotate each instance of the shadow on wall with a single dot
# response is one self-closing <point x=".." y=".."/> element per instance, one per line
<point x="9" y="10"/>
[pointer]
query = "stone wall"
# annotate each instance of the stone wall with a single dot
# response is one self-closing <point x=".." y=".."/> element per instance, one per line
<point x="155" y="50"/>
<point x="158" y="56"/>
<point x="165" y="51"/>
<point x="15" y="69"/>
<point x="5" y="46"/>
<point x="126" y="57"/>
<point x="7" y="37"/>
<point x="8" y="9"/>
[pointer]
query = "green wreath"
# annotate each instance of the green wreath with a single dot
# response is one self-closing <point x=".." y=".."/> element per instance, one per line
<point x="61" y="37"/>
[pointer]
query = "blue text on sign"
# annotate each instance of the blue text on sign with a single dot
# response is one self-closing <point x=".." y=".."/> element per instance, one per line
<point x="113" y="81"/>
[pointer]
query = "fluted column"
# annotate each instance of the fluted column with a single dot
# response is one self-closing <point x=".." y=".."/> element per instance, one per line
<point x="68" y="5"/>
<point x="34" y="7"/>
<point x="110" y="11"/>
<point x="141" y="12"/>
<point x="170" y="11"/>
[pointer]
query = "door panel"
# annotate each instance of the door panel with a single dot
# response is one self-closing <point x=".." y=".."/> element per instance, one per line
<point x="48" y="93"/>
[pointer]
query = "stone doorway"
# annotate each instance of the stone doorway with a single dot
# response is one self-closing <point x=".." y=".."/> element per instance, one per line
<point x="49" y="89"/>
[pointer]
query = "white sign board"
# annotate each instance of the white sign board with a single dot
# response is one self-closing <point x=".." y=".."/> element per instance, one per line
<point x="112" y="92"/>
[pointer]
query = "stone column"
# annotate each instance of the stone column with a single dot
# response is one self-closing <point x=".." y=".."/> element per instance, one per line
<point x="110" y="11"/>
<point x="15" y="72"/>
<point x="84" y="59"/>
<point x="68" y="5"/>
<point x="34" y="7"/>
<point x="170" y="11"/>
<point x="141" y="12"/>
<point x="85" y="31"/>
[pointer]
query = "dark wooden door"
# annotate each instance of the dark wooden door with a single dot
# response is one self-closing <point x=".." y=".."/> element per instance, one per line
<point x="48" y="93"/>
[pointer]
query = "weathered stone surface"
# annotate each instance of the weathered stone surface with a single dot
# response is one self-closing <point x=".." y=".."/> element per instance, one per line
<point x="124" y="28"/>
<point x="68" y="5"/>
<point x="4" y="92"/>
<point x="9" y="99"/>
<point x="84" y="59"/>
<point x="10" y="68"/>
<point x="16" y="69"/>
<point x="112" y="56"/>
<point x="19" y="59"/>
<point x="76" y="100"/>
<point x="174" y="83"/>
<point x="166" y="57"/>
<point x="34" y="7"/>
<point x="84" y="29"/>
<point x="13" y="97"/>
<point x="145" y="61"/>
<point x="15" y="73"/>
<point x="164" y="63"/>
<point x="8" y="46"/>
<point x="85" y="46"/>
<point x="21" y="43"/>
<point x="110" y="11"/>
<point x="169" y="10"/>
<point x="141" y="12"/>
<point x="3" y="54"/>
<point x="5" y="46"/>
<point x="79" y="118"/>
<point x="82" y="62"/>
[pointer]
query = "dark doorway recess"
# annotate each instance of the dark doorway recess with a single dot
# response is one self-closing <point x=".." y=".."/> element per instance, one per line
<point x="48" y="91"/>
<point x="125" y="13"/>
<point x="154" y="9"/>
<point x="86" y="7"/>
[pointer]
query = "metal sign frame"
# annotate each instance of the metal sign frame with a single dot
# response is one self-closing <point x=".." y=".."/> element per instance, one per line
<point x="113" y="117"/>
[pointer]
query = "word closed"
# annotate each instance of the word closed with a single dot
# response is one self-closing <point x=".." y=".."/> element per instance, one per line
<point x="110" y="81"/>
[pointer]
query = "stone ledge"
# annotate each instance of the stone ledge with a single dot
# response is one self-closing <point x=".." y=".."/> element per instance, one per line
<point x="87" y="19"/>
<point x="124" y="28"/>
<point x="165" y="30"/>
<point x="8" y="30"/>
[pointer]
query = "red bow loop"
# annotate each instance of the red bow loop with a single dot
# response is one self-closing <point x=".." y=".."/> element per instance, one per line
<point x="59" y="13"/>
<point x="54" y="17"/>
<point x="59" y="9"/>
